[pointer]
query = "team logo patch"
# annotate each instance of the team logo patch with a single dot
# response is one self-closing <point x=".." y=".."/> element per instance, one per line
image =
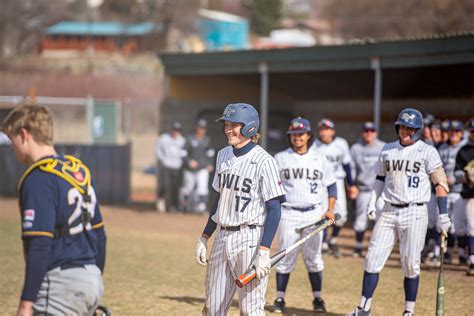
<point x="78" y="176"/>
<point x="27" y="225"/>
<point x="408" y="117"/>
<point x="29" y="215"/>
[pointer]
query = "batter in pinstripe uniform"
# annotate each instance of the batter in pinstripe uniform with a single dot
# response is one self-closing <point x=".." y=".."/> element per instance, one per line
<point x="404" y="171"/>
<point x="365" y="154"/>
<point x="336" y="150"/>
<point x="246" y="215"/>
<point x="305" y="175"/>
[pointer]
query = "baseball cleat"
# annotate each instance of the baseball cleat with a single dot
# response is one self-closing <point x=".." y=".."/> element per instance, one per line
<point x="408" y="313"/>
<point x="335" y="250"/>
<point x="470" y="271"/>
<point x="434" y="261"/>
<point x="448" y="258"/>
<point x="357" y="253"/>
<point x="359" y="312"/>
<point x="279" y="305"/>
<point x="318" y="305"/>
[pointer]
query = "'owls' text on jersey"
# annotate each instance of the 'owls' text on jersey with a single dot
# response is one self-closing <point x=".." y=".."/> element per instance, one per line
<point x="244" y="184"/>
<point x="337" y="153"/>
<point x="305" y="177"/>
<point x="406" y="170"/>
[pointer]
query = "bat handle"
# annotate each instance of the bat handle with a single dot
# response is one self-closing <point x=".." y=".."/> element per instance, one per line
<point x="246" y="278"/>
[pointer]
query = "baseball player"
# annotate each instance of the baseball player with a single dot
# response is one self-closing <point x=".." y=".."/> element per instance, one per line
<point x="305" y="174"/>
<point x="197" y="165"/>
<point x="365" y="154"/>
<point x="428" y="120"/>
<point x="169" y="153"/>
<point x="444" y="135"/>
<point x="246" y="216"/>
<point x="464" y="171"/>
<point x="404" y="171"/>
<point x="448" y="152"/>
<point x="62" y="230"/>
<point x="336" y="150"/>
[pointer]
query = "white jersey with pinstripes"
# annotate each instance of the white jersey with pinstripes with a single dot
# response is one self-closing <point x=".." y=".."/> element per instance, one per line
<point x="304" y="177"/>
<point x="337" y="152"/>
<point x="244" y="184"/>
<point x="406" y="170"/>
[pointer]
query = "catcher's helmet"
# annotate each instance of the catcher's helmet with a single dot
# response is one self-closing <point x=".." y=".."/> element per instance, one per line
<point x="299" y="125"/>
<point x="242" y="113"/>
<point x="411" y="118"/>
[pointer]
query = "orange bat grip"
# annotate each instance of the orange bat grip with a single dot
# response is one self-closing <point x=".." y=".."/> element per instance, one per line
<point x="245" y="278"/>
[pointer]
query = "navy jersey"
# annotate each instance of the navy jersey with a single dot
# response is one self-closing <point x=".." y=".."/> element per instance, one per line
<point x="58" y="200"/>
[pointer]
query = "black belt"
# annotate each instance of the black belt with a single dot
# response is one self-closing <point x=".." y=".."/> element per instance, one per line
<point x="303" y="209"/>
<point x="66" y="266"/>
<point x="237" y="228"/>
<point x="406" y="205"/>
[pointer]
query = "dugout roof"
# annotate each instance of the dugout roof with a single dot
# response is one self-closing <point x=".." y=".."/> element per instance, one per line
<point x="425" y="67"/>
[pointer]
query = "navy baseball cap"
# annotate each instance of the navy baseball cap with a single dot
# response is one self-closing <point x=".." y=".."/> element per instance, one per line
<point x="456" y="126"/>
<point x="428" y="119"/>
<point x="176" y="126"/>
<point x="369" y="126"/>
<point x="445" y="125"/>
<point x="470" y="124"/>
<point x="299" y="125"/>
<point x="202" y="123"/>
<point x="326" y="123"/>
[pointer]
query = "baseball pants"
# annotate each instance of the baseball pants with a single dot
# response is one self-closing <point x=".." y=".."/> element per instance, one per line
<point x="232" y="254"/>
<point x="74" y="291"/>
<point x="287" y="236"/>
<point x="362" y="221"/>
<point x="407" y="225"/>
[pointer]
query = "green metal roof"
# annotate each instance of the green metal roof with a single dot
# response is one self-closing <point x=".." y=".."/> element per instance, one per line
<point x="447" y="49"/>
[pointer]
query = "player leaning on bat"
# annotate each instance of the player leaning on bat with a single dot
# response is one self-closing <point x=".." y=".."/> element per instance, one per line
<point x="246" y="216"/>
<point x="405" y="169"/>
<point x="305" y="175"/>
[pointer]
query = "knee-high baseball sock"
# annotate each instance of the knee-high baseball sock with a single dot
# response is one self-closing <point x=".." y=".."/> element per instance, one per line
<point x="359" y="239"/>
<point x="471" y="248"/>
<point x="316" y="279"/>
<point x="368" y="289"/>
<point x="282" y="283"/>
<point x="411" y="289"/>
<point x="462" y="243"/>
<point x="335" y="232"/>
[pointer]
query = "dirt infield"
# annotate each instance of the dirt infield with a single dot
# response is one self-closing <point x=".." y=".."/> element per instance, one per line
<point x="150" y="270"/>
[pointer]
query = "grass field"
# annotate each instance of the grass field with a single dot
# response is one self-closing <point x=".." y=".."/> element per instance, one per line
<point x="150" y="270"/>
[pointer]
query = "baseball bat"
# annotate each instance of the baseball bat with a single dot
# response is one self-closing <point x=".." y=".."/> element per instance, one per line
<point x="250" y="274"/>
<point x="440" y="290"/>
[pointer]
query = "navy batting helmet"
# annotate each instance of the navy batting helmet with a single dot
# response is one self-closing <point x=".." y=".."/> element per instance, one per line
<point x="411" y="118"/>
<point x="299" y="125"/>
<point x="242" y="113"/>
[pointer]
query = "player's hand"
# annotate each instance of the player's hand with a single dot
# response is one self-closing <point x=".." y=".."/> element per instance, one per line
<point x="329" y="214"/>
<point x="262" y="263"/>
<point x="25" y="308"/>
<point x="352" y="192"/>
<point x="193" y="164"/>
<point x="201" y="249"/>
<point x="444" y="223"/>
<point x="371" y="213"/>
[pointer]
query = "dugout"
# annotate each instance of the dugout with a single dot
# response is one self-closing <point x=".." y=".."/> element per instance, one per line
<point x="352" y="83"/>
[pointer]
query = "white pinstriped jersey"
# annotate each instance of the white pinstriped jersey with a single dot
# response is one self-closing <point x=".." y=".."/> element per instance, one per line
<point x="244" y="184"/>
<point x="304" y="177"/>
<point x="337" y="152"/>
<point x="406" y="170"/>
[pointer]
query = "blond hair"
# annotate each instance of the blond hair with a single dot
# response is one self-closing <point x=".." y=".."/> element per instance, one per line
<point x="37" y="120"/>
<point x="255" y="138"/>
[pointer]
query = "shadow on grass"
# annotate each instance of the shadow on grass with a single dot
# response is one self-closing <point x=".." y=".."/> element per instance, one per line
<point x="195" y="301"/>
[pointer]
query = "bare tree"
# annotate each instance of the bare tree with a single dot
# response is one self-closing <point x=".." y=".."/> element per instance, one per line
<point x="388" y="18"/>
